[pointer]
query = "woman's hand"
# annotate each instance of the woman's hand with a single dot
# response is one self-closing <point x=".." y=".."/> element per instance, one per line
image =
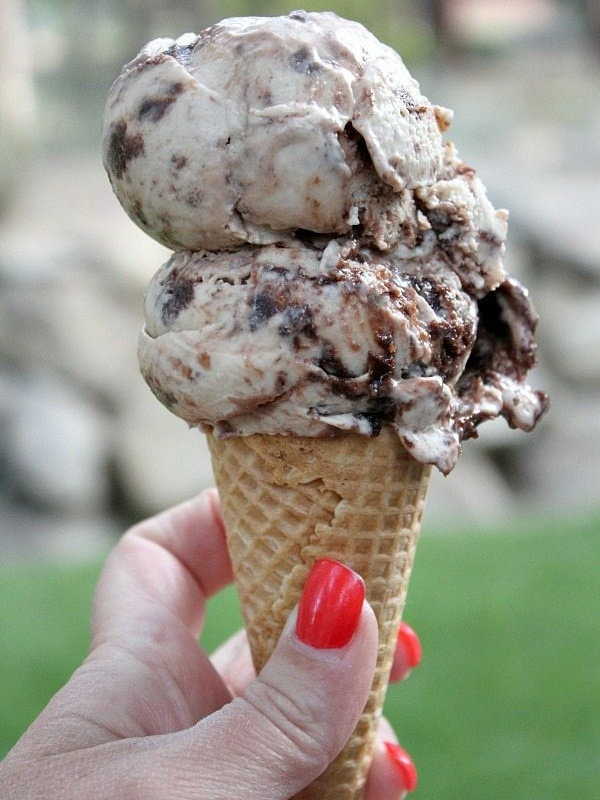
<point x="149" y="715"/>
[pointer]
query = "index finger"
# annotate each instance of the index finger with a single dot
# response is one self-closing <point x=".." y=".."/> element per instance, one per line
<point x="166" y="566"/>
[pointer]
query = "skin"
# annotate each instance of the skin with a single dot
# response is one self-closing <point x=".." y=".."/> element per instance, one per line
<point x="150" y="715"/>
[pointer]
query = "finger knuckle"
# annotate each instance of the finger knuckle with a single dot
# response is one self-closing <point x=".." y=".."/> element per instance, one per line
<point x="297" y="724"/>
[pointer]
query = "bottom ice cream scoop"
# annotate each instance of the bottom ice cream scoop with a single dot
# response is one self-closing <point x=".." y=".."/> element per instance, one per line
<point x="307" y="341"/>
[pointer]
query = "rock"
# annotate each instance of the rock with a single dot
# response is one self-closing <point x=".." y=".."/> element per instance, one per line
<point x="17" y="95"/>
<point x="9" y="391"/>
<point x="68" y="200"/>
<point x="30" y="261"/>
<point x="159" y="460"/>
<point x="569" y="329"/>
<point x="563" y="461"/>
<point x="474" y="494"/>
<point x="56" y="447"/>
<point x="68" y="322"/>
<point x="62" y="538"/>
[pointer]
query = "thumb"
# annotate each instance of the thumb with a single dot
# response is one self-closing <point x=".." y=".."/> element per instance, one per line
<point x="295" y="718"/>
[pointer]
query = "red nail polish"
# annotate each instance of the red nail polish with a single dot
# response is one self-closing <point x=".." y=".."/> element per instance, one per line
<point x="404" y="764"/>
<point x="330" y="605"/>
<point x="411" y="644"/>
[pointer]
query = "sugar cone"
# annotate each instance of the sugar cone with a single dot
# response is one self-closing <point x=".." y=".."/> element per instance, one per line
<point x="288" y="501"/>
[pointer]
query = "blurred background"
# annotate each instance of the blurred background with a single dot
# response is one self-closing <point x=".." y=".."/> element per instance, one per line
<point x="84" y="446"/>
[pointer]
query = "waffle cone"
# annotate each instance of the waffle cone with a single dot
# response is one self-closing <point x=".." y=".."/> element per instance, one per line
<point x="288" y="501"/>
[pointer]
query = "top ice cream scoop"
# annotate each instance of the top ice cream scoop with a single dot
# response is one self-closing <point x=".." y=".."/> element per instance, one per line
<point x="258" y="127"/>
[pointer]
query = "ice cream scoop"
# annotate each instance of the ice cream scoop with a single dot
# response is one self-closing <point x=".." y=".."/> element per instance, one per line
<point x="258" y="127"/>
<point x="290" y="339"/>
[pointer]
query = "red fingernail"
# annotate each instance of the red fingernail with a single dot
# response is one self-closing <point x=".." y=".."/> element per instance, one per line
<point x="330" y="605"/>
<point x="411" y="644"/>
<point x="404" y="764"/>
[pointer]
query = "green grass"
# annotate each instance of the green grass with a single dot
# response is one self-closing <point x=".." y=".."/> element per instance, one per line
<point x="44" y="613"/>
<point x="506" y="703"/>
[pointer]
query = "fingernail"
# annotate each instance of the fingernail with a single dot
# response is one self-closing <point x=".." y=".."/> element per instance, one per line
<point x="411" y="644"/>
<point x="404" y="764"/>
<point x="330" y="605"/>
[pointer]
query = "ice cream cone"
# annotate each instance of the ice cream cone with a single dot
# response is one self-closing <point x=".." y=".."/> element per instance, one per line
<point x="288" y="501"/>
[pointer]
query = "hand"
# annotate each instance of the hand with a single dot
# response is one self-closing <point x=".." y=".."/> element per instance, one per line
<point x="150" y="716"/>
